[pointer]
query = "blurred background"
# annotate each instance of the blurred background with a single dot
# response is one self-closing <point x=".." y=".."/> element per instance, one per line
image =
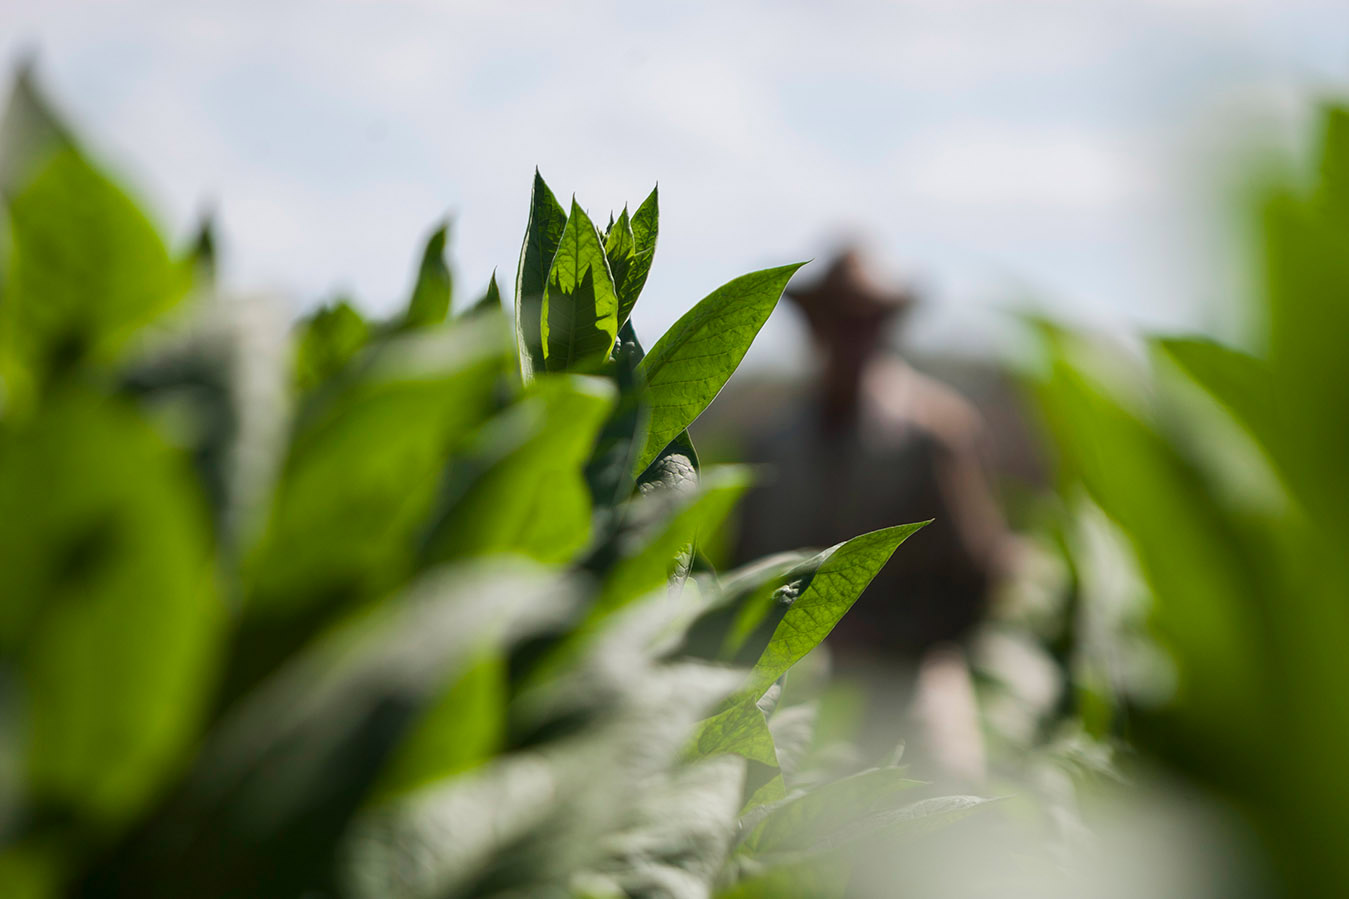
<point x="1064" y="150"/>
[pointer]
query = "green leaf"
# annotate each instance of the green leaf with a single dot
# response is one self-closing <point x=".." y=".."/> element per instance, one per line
<point x="543" y="233"/>
<point x="648" y="562"/>
<point x="520" y="489"/>
<point x="87" y="269"/>
<point x="690" y="364"/>
<point x="619" y="247"/>
<point x="491" y="299"/>
<point x="30" y="134"/>
<point x="110" y="613"/>
<point x="364" y="464"/>
<point x="431" y="295"/>
<point x="674" y="468"/>
<point x="580" y="310"/>
<point x="841" y="573"/>
<point x="645" y="229"/>
<point x="817" y="594"/>
<point x="327" y="340"/>
<point x="609" y="471"/>
<point x="265" y="809"/>
<point x="464" y="728"/>
<point x="804" y="820"/>
<point x="1239" y="381"/>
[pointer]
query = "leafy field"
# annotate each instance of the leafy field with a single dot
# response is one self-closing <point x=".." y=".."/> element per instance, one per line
<point x="390" y="608"/>
<point x="415" y="607"/>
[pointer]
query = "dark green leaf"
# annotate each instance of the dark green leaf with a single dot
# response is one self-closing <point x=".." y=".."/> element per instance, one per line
<point x="543" y="233"/>
<point x="327" y="340"/>
<point x="490" y="300"/>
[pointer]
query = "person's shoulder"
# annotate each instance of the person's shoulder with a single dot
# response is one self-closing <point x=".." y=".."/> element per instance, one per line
<point x="907" y="397"/>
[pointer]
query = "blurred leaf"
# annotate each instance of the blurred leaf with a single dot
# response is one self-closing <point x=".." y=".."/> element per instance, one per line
<point x="580" y="310"/>
<point x="1237" y="380"/>
<point x="431" y="295"/>
<point x="646" y="562"/>
<point x="490" y="301"/>
<point x="463" y="729"/>
<point x="609" y="471"/>
<point x="690" y="364"/>
<point x="328" y="339"/>
<point x="110" y="612"/>
<point x="808" y="818"/>
<point x="30" y="134"/>
<point x="543" y="233"/>
<point x="364" y="465"/>
<point x="264" y="809"/>
<point x="87" y="269"/>
<point x="522" y="490"/>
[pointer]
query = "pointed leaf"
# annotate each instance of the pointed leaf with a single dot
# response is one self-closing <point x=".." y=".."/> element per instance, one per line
<point x="327" y="340"/>
<point x="840" y="576"/>
<point x="88" y="269"/>
<point x="580" y="310"/>
<point x="543" y="233"/>
<point x="431" y="295"/>
<point x="522" y="490"/>
<point x="490" y="300"/>
<point x="645" y="228"/>
<point x="690" y="364"/>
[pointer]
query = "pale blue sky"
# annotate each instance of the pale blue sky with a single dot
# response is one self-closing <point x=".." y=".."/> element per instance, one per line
<point x="1072" y="152"/>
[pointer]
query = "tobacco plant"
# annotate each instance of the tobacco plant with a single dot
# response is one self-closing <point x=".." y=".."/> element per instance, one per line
<point x="410" y="607"/>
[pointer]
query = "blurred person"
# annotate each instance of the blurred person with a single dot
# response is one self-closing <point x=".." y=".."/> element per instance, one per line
<point x="873" y="444"/>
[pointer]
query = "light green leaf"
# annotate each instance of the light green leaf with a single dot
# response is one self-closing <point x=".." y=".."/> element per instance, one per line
<point x="432" y="294"/>
<point x="521" y="488"/>
<point x="287" y="770"/>
<point x="580" y="310"/>
<point x="619" y="247"/>
<point x="326" y="341"/>
<point x="364" y="465"/>
<point x="543" y="233"/>
<point x="817" y="594"/>
<point x="841" y="573"/>
<point x="690" y="364"/>
<point x="1239" y="381"/>
<point x="87" y="269"/>
<point x="645" y="229"/>
<point x="801" y="821"/>
<point x="110" y="614"/>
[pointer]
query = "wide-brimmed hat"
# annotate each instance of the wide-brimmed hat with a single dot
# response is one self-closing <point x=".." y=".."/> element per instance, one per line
<point x="849" y="288"/>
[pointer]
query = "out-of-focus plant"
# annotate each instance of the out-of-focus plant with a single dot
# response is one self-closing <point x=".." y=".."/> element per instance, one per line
<point x="369" y="612"/>
<point x="1223" y="471"/>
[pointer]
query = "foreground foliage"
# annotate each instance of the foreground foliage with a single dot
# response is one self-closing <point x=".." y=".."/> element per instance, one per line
<point x="390" y="608"/>
<point x="1222" y="470"/>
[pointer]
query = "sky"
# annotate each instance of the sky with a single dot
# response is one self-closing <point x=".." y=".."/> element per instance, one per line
<point x="1077" y="157"/>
